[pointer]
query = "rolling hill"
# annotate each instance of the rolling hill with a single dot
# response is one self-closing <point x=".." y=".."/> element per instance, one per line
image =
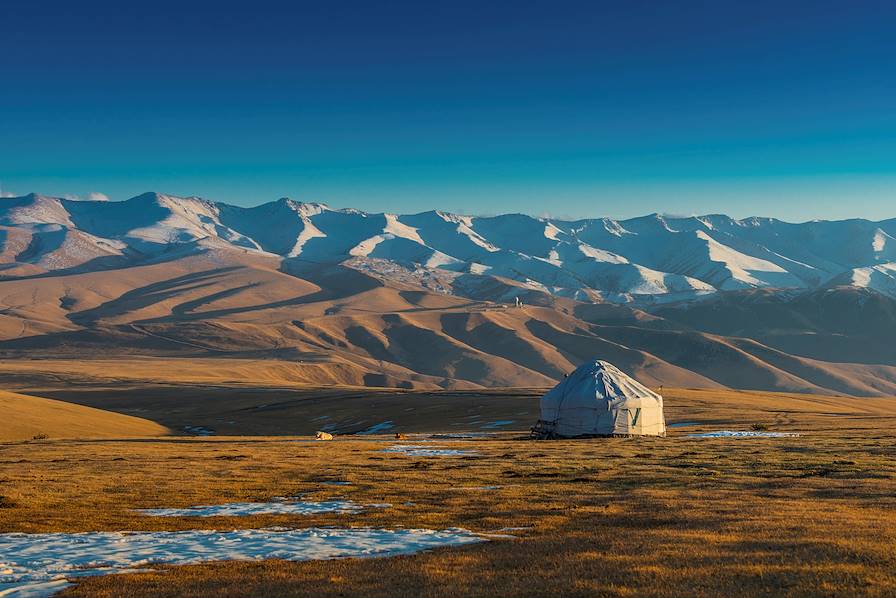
<point x="26" y="417"/>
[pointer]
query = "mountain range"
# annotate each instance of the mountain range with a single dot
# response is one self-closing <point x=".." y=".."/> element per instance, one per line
<point x="650" y="259"/>
<point x="428" y="299"/>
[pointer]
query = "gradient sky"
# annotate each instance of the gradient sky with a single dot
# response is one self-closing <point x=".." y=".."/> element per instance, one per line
<point x="783" y="109"/>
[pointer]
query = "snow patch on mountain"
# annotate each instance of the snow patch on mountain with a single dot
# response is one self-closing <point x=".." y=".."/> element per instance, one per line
<point x="746" y="270"/>
<point x="880" y="278"/>
<point x="880" y="241"/>
<point x="601" y="255"/>
<point x="654" y="258"/>
<point x="465" y="227"/>
<point x="33" y="209"/>
<point x="398" y="229"/>
<point x="366" y="247"/>
<point x="309" y="231"/>
<point x="552" y="232"/>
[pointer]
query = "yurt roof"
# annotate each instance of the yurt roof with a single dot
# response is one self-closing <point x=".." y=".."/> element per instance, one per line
<point x="611" y="381"/>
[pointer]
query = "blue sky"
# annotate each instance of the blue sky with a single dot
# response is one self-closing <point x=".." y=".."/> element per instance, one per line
<point x="564" y="108"/>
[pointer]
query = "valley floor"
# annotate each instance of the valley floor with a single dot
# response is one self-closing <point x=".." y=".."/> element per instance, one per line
<point x="678" y="516"/>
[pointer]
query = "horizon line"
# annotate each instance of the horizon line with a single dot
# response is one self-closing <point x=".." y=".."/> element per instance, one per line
<point x="72" y="198"/>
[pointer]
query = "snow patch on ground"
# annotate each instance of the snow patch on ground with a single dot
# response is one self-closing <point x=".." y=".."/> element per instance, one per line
<point x="275" y="507"/>
<point x="36" y="564"/>
<point x="415" y="450"/>
<point x="742" y="434"/>
<point x="26" y="589"/>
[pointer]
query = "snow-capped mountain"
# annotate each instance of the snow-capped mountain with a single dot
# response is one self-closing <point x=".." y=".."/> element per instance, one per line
<point x="651" y="259"/>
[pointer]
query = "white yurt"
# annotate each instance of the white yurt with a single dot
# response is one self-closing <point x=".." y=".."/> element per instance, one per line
<point x="598" y="399"/>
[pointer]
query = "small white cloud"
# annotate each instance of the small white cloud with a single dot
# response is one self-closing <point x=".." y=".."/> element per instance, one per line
<point x="7" y="194"/>
<point x="92" y="196"/>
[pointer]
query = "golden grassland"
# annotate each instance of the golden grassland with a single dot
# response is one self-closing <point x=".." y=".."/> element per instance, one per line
<point x="26" y="417"/>
<point x="807" y="515"/>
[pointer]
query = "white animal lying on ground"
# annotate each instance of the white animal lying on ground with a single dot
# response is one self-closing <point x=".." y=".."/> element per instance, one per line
<point x="324" y="436"/>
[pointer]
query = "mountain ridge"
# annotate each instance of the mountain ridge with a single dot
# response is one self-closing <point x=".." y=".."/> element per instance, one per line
<point x="644" y="260"/>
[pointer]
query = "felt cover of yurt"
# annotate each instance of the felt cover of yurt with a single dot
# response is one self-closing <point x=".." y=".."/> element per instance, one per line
<point x="598" y="399"/>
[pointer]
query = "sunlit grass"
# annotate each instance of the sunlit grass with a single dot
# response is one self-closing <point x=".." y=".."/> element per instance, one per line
<point x="807" y="515"/>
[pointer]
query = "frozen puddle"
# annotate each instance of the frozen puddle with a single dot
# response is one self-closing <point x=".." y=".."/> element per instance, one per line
<point x="742" y="434"/>
<point x="276" y="507"/>
<point x="199" y="430"/>
<point x="37" y="564"/>
<point x="416" y="450"/>
<point x="498" y="424"/>
<point x="378" y="428"/>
